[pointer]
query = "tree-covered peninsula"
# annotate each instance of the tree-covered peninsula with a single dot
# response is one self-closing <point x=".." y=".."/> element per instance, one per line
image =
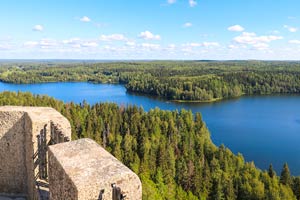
<point x="171" y="151"/>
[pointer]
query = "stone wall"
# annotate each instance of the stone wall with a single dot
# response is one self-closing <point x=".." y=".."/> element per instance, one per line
<point x="34" y="147"/>
<point x="12" y="150"/>
<point x="19" y="131"/>
<point x="87" y="172"/>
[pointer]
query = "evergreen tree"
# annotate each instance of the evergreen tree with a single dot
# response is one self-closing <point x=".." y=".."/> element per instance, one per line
<point x="271" y="171"/>
<point x="285" y="177"/>
<point x="296" y="187"/>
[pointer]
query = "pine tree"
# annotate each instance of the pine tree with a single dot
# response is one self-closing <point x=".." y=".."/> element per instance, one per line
<point x="271" y="171"/>
<point x="285" y="177"/>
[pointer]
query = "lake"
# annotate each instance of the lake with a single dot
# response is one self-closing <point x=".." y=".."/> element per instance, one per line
<point x="265" y="129"/>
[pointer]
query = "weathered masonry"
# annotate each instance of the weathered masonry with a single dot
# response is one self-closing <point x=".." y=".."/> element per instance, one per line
<point x="38" y="160"/>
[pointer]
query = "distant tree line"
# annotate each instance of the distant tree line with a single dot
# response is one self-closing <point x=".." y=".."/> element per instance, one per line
<point x="171" y="151"/>
<point x="179" y="81"/>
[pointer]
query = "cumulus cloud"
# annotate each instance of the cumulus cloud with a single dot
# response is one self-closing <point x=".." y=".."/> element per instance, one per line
<point x="150" y="46"/>
<point x="187" y="24"/>
<point x="252" y="38"/>
<point x="290" y="28"/>
<point x="192" y="3"/>
<point x="89" y="44"/>
<point x="130" y="43"/>
<point x="43" y="43"/>
<point x="171" y="1"/>
<point x="48" y="43"/>
<point x="294" y="41"/>
<point x="147" y="35"/>
<point x="256" y="42"/>
<point x="85" y="19"/>
<point x="210" y="44"/>
<point x="113" y="37"/>
<point x="236" y="28"/>
<point x="203" y="44"/>
<point x="260" y="46"/>
<point x="171" y="47"/>
<point x="78" y="43"/>
<point x="5" y="47"/>
<point x="71" y="41"/>
<point x="30" y="44"/>
<point x="231" y="46"/>
<point x="38" y="28"/>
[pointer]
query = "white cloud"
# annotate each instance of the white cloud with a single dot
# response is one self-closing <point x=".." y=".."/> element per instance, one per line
<point x="47" y="43"/>
<point x="171" y="1"/>
<point x="150" y="46"/>
<point x="43" y="43"/>
<point x="30" y="44"/>
<point x="203" y="44"/>
<point x="236" y="28"/>
<point x="252" y="38"/>
<point x="260" y="46"/>
<point x="187" y="24"/>
<point x="89" y="44"/>
<point x="290" y="28"/>
<point x="254" y="41"/>
<point x="171" y="46"/>
<point x="78" y="43"/>
<point x="130" y="43"/>
<point x="147" y="35"/>
<point x="85" y="19"/>
<point x="231" y="46"/>
<point x="294" y="41"/>
<point x="275" y="32"/>
<point x="38" y="28"/>
<point x="71" y="41"/>
<point x="192" y="3"/>
<point x="5" y="47"/>
<point x="210" y="44"/>
<point x="192" y="44"/>
<point x="113" y="37"/>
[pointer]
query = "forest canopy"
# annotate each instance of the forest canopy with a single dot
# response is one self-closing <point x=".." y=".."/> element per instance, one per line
<point x="171" y="151"/>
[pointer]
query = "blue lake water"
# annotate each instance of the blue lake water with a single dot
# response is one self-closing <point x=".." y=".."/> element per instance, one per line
<point x="265" y="129"/>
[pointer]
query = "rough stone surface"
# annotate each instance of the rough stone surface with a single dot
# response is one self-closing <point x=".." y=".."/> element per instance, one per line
<point x="12" y="149"/>
<point x="77" y="170"/>
<point x="11" y="197"/>
<point x="85" y="169"/>
<point x="19" y="128"/>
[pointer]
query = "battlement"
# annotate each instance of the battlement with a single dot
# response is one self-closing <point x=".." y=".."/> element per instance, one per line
<point x="37" y="160"/>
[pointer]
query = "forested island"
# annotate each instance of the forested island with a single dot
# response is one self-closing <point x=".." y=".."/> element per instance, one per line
<point x="198" y="81"/>
<point x="171" y="151"/>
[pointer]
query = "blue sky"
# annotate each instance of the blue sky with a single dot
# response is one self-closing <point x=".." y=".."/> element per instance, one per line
<point x="150" y="29"/>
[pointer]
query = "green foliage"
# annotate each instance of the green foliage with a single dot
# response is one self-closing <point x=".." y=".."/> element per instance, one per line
<point x="271" y="171"/>
<point x="178" y="81"/>
<point x="285" y="177"/>
<point x="171" y="151"/>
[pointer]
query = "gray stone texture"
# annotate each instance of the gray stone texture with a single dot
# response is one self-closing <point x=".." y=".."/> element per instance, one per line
<point x="85" y="168"/>
<point x="77" y="170"/>
<point x="19" y="128"/>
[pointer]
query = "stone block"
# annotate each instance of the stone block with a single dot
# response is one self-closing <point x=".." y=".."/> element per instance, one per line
<point x="81" y="169"/>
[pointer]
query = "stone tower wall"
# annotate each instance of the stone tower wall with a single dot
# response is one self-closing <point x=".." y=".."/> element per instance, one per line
<point x="79" y="170"/>
<point x="19" y="131"/>
<point x="12" y="153"/>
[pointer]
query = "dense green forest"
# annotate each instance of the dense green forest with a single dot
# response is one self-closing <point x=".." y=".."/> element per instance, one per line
<point x="172" y="80"/>
<point x="171" y="151"/>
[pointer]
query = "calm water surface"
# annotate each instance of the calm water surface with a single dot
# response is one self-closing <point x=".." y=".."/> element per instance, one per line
<point x="264" y="129"/>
